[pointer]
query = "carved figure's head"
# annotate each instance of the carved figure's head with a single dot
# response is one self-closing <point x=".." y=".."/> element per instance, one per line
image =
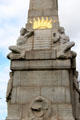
<point x="23" y="31"/>
<point x="61" y="30"/>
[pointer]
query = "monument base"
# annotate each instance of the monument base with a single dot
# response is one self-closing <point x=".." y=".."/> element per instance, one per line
<point x="41" y="90"/>
<point x="60" y="112"/>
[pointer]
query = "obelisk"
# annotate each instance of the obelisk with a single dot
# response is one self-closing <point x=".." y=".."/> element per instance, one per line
<point x="43" y="78"/>
<point x="47" y="8"/>
<point x="44" y="8"/>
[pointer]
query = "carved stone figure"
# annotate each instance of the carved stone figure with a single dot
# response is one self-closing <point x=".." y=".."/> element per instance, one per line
<point x="64" y="50"/>
<point x="62" y="44"/>
<point x="39" y="109"/>
<point x="63" y="37"/>
<point x="60" y="36"/>
<point x="24" y="35"/>
<point x="20" y="49"/>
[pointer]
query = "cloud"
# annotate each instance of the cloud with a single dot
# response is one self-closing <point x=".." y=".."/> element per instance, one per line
<point x="13" y="8"/>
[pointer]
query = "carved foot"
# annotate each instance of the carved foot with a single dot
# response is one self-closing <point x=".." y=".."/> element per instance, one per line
<point x="14" y="56"/>
<point x="67" y="55"/>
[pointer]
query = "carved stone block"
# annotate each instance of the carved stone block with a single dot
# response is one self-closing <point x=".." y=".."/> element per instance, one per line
<point x="41" y="78"/>
<point x="40" y="64"/>
<point x="14" y="112"/>
<point x="54" y="94"/>
<point x="65" y="112"/>
<point x="24" y="95"/>
<point x="42" y="40"/>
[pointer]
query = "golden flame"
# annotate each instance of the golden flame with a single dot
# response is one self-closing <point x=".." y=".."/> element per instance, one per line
<point x="42" y="23"/>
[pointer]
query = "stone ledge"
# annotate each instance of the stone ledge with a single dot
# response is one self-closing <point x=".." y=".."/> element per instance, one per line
<point x="40" y="64"/>
<point x="38" y="54"/>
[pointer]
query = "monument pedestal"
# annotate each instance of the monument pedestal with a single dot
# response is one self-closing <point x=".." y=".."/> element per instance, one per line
<point x="41" y="87"/>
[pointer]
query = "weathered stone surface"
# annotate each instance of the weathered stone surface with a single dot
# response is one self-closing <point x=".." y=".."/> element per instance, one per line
<point x="14" y="112"/>
<point x="40" y="64"/>
<point x="65" y="112"/>
<point x="62" y="44"/>
<point x="68" y="96"/>
<point x="78" y="111"/>
<point x="40" y="107"/>
<point x="42" y="40"/>
<point x="58" y="112"/>
<point x="41" y="54"/>
<point x="39" y="40"/>
<point x="25" y="111"/>
<point x="65" y="78"/>
<point x="9" y="88"/>
<point x="19" y="51"/>
<point x="54" y="114"/>
<point x="14" y="95"/>
<point x="41" y="78"/>
<point x="43" y="8"/>
<point x="43" y="4"/>
<point x="29" y="45"/>
<point x="35" y="54"/>
<point x="23" y="95"/>
<point x="54" y="94"/>
<point x="16" y="79"/>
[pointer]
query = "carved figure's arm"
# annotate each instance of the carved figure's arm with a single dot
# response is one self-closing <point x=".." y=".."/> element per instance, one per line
<point x="68" y="46"/>
<point x="29" y="34"/>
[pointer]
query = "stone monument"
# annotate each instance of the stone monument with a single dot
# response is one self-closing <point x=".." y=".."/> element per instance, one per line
<point x="43" y="81"/>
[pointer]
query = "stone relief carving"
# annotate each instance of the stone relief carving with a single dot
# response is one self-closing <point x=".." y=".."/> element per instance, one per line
<point x="40" y="109"/>
<point x="19" y="50"/>
<point x="62" y="44"/>
<point x="60" y="36"/>
<point x="9" y="88"/>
